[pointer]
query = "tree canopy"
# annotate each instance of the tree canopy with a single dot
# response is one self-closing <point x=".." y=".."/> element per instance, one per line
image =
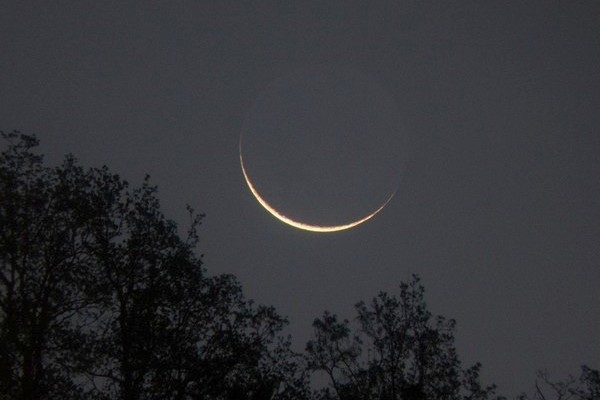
<point x="398" y="350"/>
<point x="101" y="298"/>
<point x="584" y="387"/>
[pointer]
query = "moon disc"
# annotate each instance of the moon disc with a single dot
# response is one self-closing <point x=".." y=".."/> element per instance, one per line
<point x="323" y="146"/>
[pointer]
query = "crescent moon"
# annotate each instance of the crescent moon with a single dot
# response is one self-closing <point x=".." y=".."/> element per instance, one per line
<point x="302" y="225"/>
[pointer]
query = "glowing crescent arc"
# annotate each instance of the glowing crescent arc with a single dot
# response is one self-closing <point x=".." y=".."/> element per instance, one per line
<point x="302" y="225"/>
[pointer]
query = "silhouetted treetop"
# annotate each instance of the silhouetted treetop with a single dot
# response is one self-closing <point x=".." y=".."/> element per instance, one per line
<point x="397" y="350"/>
<point x="101" y="298"/>
<point x="584" y="387"/>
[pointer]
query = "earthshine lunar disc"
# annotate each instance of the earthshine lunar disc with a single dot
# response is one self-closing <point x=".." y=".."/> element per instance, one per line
<point x="325" y="145"/>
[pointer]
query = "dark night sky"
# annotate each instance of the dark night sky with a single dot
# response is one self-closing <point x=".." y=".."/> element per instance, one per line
<point x="486" y="112"/>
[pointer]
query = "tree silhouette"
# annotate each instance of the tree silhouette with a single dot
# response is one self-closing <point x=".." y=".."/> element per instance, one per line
<point x="101" y="298"/>
<point x="585" y="387"/>
<point x="43" y="264"/>
<point x="398" y="351"/>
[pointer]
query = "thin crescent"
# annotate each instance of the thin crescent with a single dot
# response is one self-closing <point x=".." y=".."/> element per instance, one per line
<point x="302" y="225"/>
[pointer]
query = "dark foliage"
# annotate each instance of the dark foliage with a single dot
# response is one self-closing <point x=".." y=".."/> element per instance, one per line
<point x="101" y="298"/>
<point x="397" y="351"/>
<point x="584" y="387"/>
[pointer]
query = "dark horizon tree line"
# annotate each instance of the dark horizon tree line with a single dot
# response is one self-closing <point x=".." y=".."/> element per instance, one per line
<point x="102" y="298"/>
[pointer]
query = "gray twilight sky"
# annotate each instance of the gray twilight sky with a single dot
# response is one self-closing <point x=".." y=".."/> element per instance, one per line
<point x="486" y="112"/>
